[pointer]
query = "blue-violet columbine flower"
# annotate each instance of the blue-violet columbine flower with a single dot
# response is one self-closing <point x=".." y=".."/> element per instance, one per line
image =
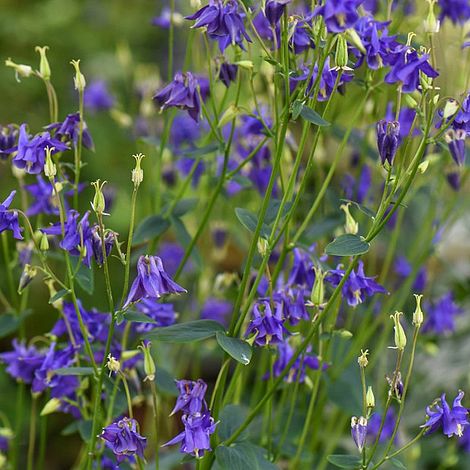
<point x="453" y="420"/>
<point x="123" y="439"/>
<point x="274" y="9"/>
<point x="339" y="15"/>
<point x="388" y="135"/>
<point x="191" y="397"/>
<point x="359" y="431"/>
<point x="9" y="218"/>
<point x="266" y="324"/>
<point x="440" y="315"/>
<point x="97" y="97"/>
<point x="152" y="281"/>
<point x="69" y="130"/>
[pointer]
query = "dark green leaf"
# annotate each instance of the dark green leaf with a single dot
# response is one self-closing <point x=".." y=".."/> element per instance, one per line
<point x="151" y="227"/>
<point x="345" y="391"/>
<point x="201" y="151"/>
<point x="85" y="278"/>
<point x="347" y="245"/>
<point x="397" y="464"/>
<point x="165" y="382"/>
<point x="184" y="206"/>
<point x="9" y="323"/>
<point x="70" y="429"/>
<point x="344" y="461"/>
<point x="250" y="221"/>
<point x="74" y="371"/>
<point x="239" y="349"/>
<point x="236" y="457"/>
<point x="312" y="116"/>
<point x="273" y="209"/>
<point x="231" y="418"/>
<point x="296" y="109"/>
<point x="58" y="295"/>
<point x="138" y="317"/>
<point x="85" y="429"/>
<point x="186" y="332"/>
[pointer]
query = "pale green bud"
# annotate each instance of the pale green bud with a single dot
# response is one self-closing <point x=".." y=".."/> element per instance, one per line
<point x="99" y="203"/>
<point x="351" y="226"/>
<point x="245" y="64"/>
<point x="341" y="53"/>
<point x="431" y="23"/>
<point x="50" y="170"/>
<point x="3" y="461"/>
<point x="370" y="399"/>
<point x="318" y="292"/>
<point x="262" y="246"/>
<point x="44" y="242"/>
<point x="44" y="67"/>
<point x="423" y="166"/>
<point x="113" y="364"/>
<point x="137" y="173"/>
<point x="79" y="79"/>
<point x="355" y="40"/>
<point x="149" y="364"/>
<point x="21" y="70"/>
<point x="400" y="336"/>
<point x="362" y="359"/>
<point x="28" y="274"/>
<point x="418" y="316"/>
<point x="231" y="113"/>
<point x="51" y="406"/>
<point x="52" y="292"/>
<point x="450" y="108"/>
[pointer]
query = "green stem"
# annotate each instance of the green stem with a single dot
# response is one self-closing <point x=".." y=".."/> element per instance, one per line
<point x="155" y="421"/>
<point x="32" y="433"/>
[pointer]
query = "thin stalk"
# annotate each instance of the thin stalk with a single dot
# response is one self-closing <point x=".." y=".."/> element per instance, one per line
<point x="155" y="421"/>
<point x="32" y="433"/>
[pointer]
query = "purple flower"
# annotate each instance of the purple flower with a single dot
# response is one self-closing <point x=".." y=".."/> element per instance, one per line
<point x="405" y="119"/>
<point x="302" y="273"/>
<point x="9" y="218"/>
<point x="224" y="23"/>
<point x="339" y="15"/>
<point x="456" y="141"/>
<point x="22" y="362"/>
<point x="405" y="68"/>
<point x="191" y="398"/>
<point x="96" y="96"/>
<point x="357" y="287"/>
<point x="162" y="314"/>
<point x="182" y="93"/>
<point x="110" y="238"/>
<point x="30" y="152"/>
<point x="462" y="120"/>
<point x="453" y="178"/>
<point x="8" y="136"/>
<point x="298" y="369"/>
<point x="453" y="420"/>
<point x="42" y="198"/>
<point x="403" y="269"/>
<point x="359" y="431"/>
<point x="274" y="9"/>
<point x="373" y="426"/>
<point x="293" y="301"/>
<point x="217" y="309"/>
<point x="164" y="20"/>
<point x="228" y="73"/>
<point x="69" y="131"/>
<point x="152" y="281"/>
<point x="440" y="315"/>
<point x="300" y="38"/>
<point x="195" y="439"/>
<point x="123" y="439"/>
<point x="388" y="133"/>
<point x="458" y="11"/>
<point x="268" y="326"/>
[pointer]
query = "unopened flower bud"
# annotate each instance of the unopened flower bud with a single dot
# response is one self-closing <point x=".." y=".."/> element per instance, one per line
<point x="370" y="399"/>
<point x="44" y="242"/>
<point x="418" y="316"/>
<point x="99" y="203"/>
<point x="355" y="40"/>
<point x="318" y="291"/>
<point x="3" y="461"/>
<point x="149" y="364"/>
<point x="137" y="175"/>
<point x="21" y="70"/>
<point x="44" y="67"/>
<point x="450" y="108"/>
<point x="431" y="23"/>
<point x="341" y="53"/>
<point x="231" y="113"/>
<point x="359" y="431"/>
<point x="113" y="364"/>
<point x="79" y="79"/>
<point x="50" y="170"/>
<point x="351" y="226"/>
<point x="245" y="64"/>
<point x="28" y="274"/>
<point x="52" y="293"/>
<point x="423" y="166"/>
<point x="362" y="359"/>
<point x="262" y="246"/>
<point x="51" y="406"/>
<point x="400" y="336"/>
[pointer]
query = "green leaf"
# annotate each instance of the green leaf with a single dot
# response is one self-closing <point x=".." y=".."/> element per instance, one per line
<point x="250" y="221"/>
<point x="273" y="209"/>
<point x="137" y="317"/>
<point x="347" y="245"/>
<point x="165" y="382"/>
<point x="74" y="371"/>
<point x="184" y="206"/>
<point x="296" y="109"/>
<point x="344" y="461"/>
<point x="9" y="323"/>
<point x="151" y="227"/>
<point x="85" y="429"/>
<point x="239" y="349"/>
<point x="201" y="151"/>
<point x="231" y="418"/>
<point x="397" y="464"/>
<point x="58" y="295"/>
<point x="312" y="116"/>
<point x="85" y="278"/>
<point x="186" y="332"/>
<point x="236" y="457"/>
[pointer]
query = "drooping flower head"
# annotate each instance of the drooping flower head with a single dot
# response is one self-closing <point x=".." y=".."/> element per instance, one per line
<point x="357" y="287"/>
<point x="195" y="439"/>
<point x="97" y="97"/>
<point x="42" y="198"/>
<point x="339" y="15"/>
<point x="191" y="398"/>
<point x="223" y="21"/>
<point x="227" y="73"/>
<point x="458" y="11"/>
<point x="373" y="426"/>
<point x="453" y="420"/>
<point x="68" y="131"/>
<point x="359" y="431"/>
<point x="456" y="142"/>
<point x="22" y="361"/>
<point x="162" y="314"/>
<point x="388" y="134"/>
<point x="8" y="136"/>
<point x="152" y="281"/>
<point x="274" y="9"/>
<point x="30" y="151"/>
<point x="267" y="323"/>
<point x="440" y="315"/>
<point x="182" y="93"/>
<point x="124" y="440"/>
<point x="9" y="218"/>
